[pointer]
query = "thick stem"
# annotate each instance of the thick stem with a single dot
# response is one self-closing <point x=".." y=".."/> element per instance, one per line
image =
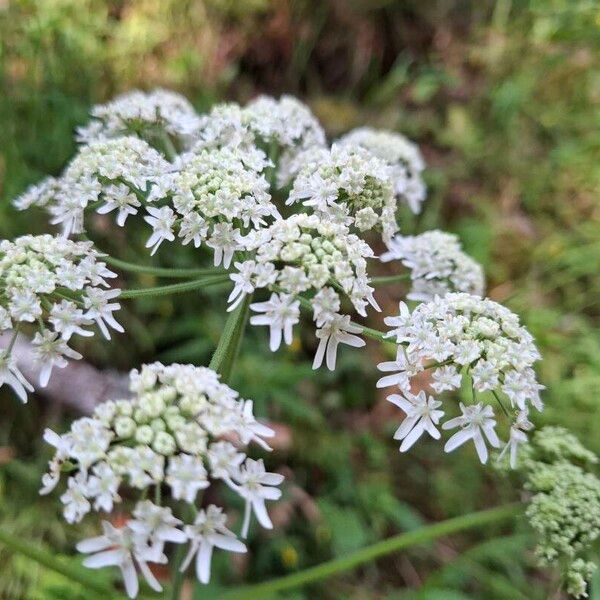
<point x="230" y="341"/>
<point x="371" y="553"/>
<point x="175" y="288"/>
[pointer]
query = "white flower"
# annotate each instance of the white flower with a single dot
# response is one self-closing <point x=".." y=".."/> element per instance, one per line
<point x="256" y="486"/>
<point x="225" y="460"/>
<point x="243" y="283"/>
<point x="100" y="309"/>
<point x="476" y="421"/>
<point x="121" y="547"/>
<point x="162" y="221"/>
<point x="12" y="376"/>
<point x="348" y="185"/>
<point x="75" y="499"/>
<point x="156" y="524"/>
<point x="398" y="322"/>
<point x="214" y="197"/>
<point x="193" y="228"/>
<point x="518" y="436"/>
<point x="400" y="154"/>
<point x="338" y="330"/>
<point x="460" y="333"/>
<point x="24" y="306"/>
<point x="437" y="264"/>
<point x="446" y="378"/>
<point x="50" y="351"/>
<point x="121" y="198"/>
<point x="325" y="304"/>
<point x="88" y="441"/>
<point x="224" y="240"/>
<point x="34" y="269"/>
<point x="208" y="532"/>
<point x="103" y="486"/>
<point x="186" y="475"/>
<point x="142" y="112"/>
<point x="422" y="415"/>
<point x="68" y="320"/>
<point x="406" y="370"/>
<point x="281" y="313"/>
<point x="248" y="428"/>
<point x="173" y="431"/>
<point x="106" y="171"/>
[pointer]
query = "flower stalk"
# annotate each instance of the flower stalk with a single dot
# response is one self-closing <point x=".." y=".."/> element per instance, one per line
<point x="162" y="271"/>
<point x="175" y="288"/>
<point x="375" y="551"/>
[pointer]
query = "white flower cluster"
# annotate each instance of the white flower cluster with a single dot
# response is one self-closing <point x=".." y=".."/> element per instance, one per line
<point x="182" y="429"/>
<point x="438" y="265"/>
<point x="403" y="157"/>
<point x="107" y="175"/>
<point x="463" y="336"/>
<point x="265" y="124"/>
<point x="57" y="286"/>
<point x="225" y="126"/>
<point x="143" y="114"/>
<point x="287" y="122"/>
<point x="216" y="199"/>
<point x="348" y="185"/>
<point x="305" y="254"/>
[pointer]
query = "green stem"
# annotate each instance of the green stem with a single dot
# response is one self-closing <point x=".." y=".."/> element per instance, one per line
<point x="376" y="281"/>
<point x="370" y="553"/>
<point x="175" y="288"/>
<point x="161" y="271"/>
<point x="230" y="341"/>
<point x="46" y="559"/>
<point x="178" y="576"/>
<point x="167" y="146"/>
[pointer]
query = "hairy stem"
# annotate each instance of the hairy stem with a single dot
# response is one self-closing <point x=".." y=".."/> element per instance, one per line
<point x="378" y="281"/>
<point x="375" y="551"/>
<point x="229" y="344"/>
<point x="175" y="288"/>
<point x="162" y="271"/>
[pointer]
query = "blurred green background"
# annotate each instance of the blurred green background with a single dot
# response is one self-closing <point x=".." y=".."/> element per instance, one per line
<point x="504" y="99"/>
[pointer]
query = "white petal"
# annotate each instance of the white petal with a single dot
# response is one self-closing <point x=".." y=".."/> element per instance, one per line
<point x="260" y="511"/>
<point x="227" y="542"/>
<point x="203" y="560"/>
<point x="412" y="437"/>
<point x="458" y="439"/>
<point x="104" y="559"/>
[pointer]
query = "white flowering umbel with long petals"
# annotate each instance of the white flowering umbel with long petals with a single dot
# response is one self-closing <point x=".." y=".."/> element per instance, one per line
<point x="279" y="128"/>
<point x="169" y="435"/>
<point x="57" y="289"/>
<point x="110" y="176"/>
<point x="464" y="337"/>
<point x="215" y="198"/>
<point x="437" y="265"/>
<point x="303" y="257"/>
<point x="144" y="114"/>
<point x="400" y="154"/>
<point x="348" y="185"/>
